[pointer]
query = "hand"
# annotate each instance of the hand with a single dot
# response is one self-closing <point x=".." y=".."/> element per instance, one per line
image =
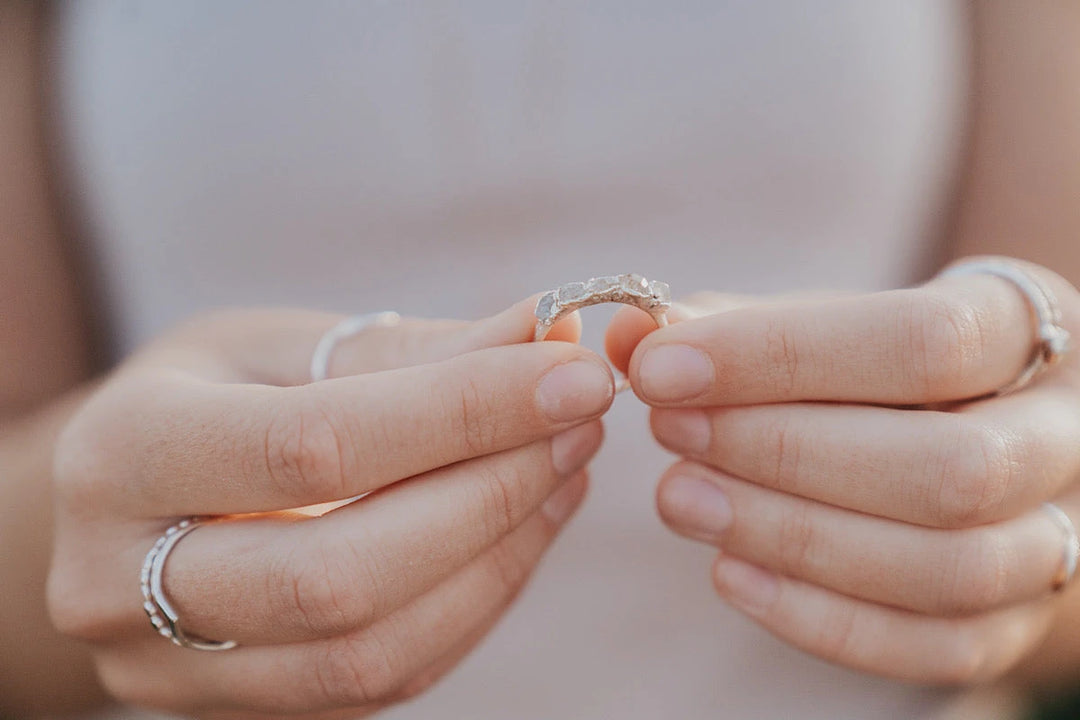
<point x="866" y="509"/>
<point x="470" y="440"/>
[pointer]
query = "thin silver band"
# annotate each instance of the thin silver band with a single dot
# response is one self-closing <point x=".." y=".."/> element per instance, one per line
<point x="162" y="615"/>
<point x="1071" y="551"/>
<point x="320" y="358"/>
<point x="1052" y="341"/>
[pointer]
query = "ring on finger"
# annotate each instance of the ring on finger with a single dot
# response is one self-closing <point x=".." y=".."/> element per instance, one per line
<point x="1052" y="341"/>
<point x="320" y="358"/>
<point x="162" y="614"/>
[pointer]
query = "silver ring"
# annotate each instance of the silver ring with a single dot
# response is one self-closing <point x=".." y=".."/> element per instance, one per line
<point x="632" y="289"/>
<point x="162" y="614"/>
<point x="1071" y="552"/>
<point x="1052" y="341"/>
<point x="654" y="297"/>
<point x="320" y="358"/>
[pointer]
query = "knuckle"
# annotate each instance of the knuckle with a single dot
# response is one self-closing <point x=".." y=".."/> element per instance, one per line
<point x="304" y="452"/>
<point x="474" y="419"/>
<point x="836" y="634"/>
<point x="509" y="570"/>
<point x="82" y="460"/>
<point x="783" y="358"/>
<point x="798" y="540"/>
<point x="503" y="493"/>
<point x="322" y="592"/>
<point x="977" y="471"/>
<point x="355" y="670"/>
<point x="946" y="340"/>
<point x="75" y="602"/>
<point x="787" y="446"/>
<point x="977" y="579"/>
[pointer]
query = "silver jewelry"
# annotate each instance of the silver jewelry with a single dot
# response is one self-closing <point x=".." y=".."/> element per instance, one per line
<point x="320" y="359"/>
<point x="158" y="608"/>
<point x="653" y="297"/>
<point x="1052" y="341"/>
<point x="1071" y="551"/>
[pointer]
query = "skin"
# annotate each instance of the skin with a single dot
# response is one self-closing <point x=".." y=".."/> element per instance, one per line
<point x="894" y="529"/>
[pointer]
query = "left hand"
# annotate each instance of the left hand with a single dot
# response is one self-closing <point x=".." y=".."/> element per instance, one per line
<point x="867" y="508"/>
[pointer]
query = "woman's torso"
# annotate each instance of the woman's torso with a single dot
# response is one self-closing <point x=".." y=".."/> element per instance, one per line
<point x="449" y="159"/>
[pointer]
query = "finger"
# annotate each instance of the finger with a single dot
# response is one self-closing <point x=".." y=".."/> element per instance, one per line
<point x="953" y="339"/>
<point x="412" y="688"/>
<point x="347" y="569"/>
<point x="176" y="446"/>
<point x="630" y="325"/>
<point x="275" y="347"/>
<point x="361" y="669"/>
<point x="931" y="571"/>
<point x="882" y="640"/>
<point x="558" y="508"/>
<point x="993" y="460"/>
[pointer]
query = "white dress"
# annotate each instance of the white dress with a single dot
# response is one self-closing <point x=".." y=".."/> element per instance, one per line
<point x="448" y="159"/>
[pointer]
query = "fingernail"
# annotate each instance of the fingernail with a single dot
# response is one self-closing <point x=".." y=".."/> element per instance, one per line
<point x="670" y="373"/>
<point x="574" y="390"/>
<point x="561" y="504"/>
<point x="698" y="505"/>
<point x="572" y="448"/>
<point x="749" y="588"/>
<point x="686" y="431"/>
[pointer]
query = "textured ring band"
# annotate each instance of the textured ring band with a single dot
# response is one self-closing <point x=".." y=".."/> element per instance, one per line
<point x="653" y="297"/>
<point x="1052" y="341"/>
<point x="1071" y="550"/>
<point x="320" y="358"/>
<point x="162" y="614"/>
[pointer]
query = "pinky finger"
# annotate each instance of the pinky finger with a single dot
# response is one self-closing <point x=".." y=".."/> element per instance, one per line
<point x="879" y="639"/>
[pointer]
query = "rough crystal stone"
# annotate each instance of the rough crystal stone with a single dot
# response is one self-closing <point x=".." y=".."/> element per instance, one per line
<point x="661" y="292"/>
<point x="601" y="285"/>
<point x="635" y="285"/>
<point x="572" y="292"/>
<point x="546" y="307"/>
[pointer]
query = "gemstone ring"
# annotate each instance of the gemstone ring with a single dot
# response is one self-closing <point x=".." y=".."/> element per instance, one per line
<point x="654" y="297"/>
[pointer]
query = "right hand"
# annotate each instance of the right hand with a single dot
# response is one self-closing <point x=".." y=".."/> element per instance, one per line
<point x="470" y="440"/>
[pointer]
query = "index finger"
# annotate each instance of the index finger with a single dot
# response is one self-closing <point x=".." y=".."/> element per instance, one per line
<point x="189" y="447"/>
<point x="955" y="338"/>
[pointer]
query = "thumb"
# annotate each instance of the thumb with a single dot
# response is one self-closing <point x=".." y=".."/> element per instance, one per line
<point x="629" y="325"/>
<point x="275" y="346"/>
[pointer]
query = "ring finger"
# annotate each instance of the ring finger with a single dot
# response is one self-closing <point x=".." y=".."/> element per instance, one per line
<point x="364" y="667"/>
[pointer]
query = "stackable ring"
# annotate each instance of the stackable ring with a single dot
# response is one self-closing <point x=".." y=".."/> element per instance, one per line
<point x="158" y="608"/>
<point x="320" y="358"/>
<point x="1071" y="551"/>
<point x="654" y="297"/>
<point x="632" y="289"/>
<point x="1052" y="341"/>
